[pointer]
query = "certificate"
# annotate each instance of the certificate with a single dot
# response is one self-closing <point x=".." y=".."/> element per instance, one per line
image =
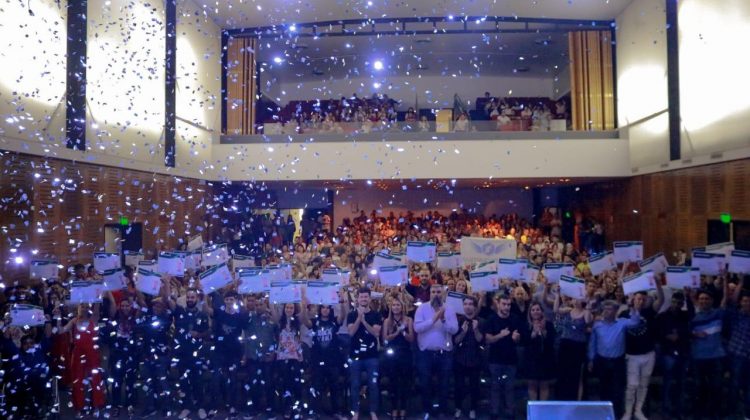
<point x="43" y="269"/>
<point x="641" y="282"/>
<point x="286" y="271"/>
<point x="385" y="259"/>
<point x="252" y="280"/>
<point x="394" y="275"/>
<point x="214" y="255"/>
<point x="682" y="277"/>
<point x="215" y="278"/>
<point x="148" y="282"/>
<point x="171" y="263"/>
<point x="625" y="251"/>
<point x="86" y="291"/>
<point x="511" y="269"/>
<point x="572" y="287"/>
<point x="484" y="281"/>
<point x="710" y="264"/>
<point x="725" y="248"/>
<point x="242" y="261"/>
<point x="421" y="252"/>
<point x="286" y="292"/>
<point x="332" y="275"/>
<point x="552" y="272"/>
<point x="192" y="259"/>
<point x="148" y="264"/>
<point x="133" y="257"/>
<point x="323" y="293"/>
<point x="114" y="279"/>
<point x="104" y="261"/>
<point x="455" y="301"/>
<point x="448" y="260"/>
<point x="22" y="315"/>
<point x="739" y="262"/>
<point x="531" y="274"/>
<point x="195" y="243"/>
<point x="658" y="264"/>
<point x="601" y="263"/>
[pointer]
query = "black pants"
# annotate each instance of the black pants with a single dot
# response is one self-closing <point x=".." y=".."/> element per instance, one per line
<point x="260" y="386"/>
<point x="571" y="360"/>
<point x="190" y="369"/>
<point x="708" y="374"/>
<point x="467" y="384"/>
<point x="326" y="375"/>
<point x="225" y="385"/>
<point x="398" y="368"/>
<point x="291" y="373"/>
<point x="123" y="368"/>
<point x="429" y="362"/>
<point x="611" y="373"/>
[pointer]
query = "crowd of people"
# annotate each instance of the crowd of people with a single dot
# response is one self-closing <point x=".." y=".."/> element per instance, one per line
<point x="183" y="352"/>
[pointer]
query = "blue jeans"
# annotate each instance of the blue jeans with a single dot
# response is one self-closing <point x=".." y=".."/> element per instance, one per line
<point x="355" y="378"/>
<point x="673" y="367"/>
<point x="741" y="382"/>
<point x="502" y="390"/>
<point x="428" y="362"/>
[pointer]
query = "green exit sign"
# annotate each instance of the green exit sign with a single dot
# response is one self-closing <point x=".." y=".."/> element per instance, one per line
<point x="124" y="221"/>
<point x="726" y="218"/>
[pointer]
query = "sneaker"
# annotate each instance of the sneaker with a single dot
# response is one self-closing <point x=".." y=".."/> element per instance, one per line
<point x="184" y="414"/>
<point x="472" y="414"/>
<point x="202" y="414"/>
<point x="458" y="413"/>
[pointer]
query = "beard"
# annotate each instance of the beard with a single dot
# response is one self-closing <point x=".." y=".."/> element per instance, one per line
<point x="436" y="302"/>
<point x="191" y="305"/>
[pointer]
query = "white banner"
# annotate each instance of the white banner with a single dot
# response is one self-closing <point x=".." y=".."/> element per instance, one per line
<point x="572" y="287"/>
<point x="448" y="260"/>
<point x="394" y="276"/>
<point x="195" y="243"/>
<point x="171" y="263"/>
<point x="511" y="269"/>
<point x="22" y="315"/>
<point x="285" y="292"/>
<point x="253" y="280"/>
<point x="531" y="274"/>
<point x="323" y="293"/>
<point x="628" y="251"/>
<point x="132" y="258"/>
<point x="148" y="282"/>
<point x="455" y="301"/>
<point x="421" y="252"/>
<point x="104" y="261"/>
<point x="114" y="279"/>
<point x="552" y="272"/>
<point x="43" y="269"/>
<point x="475" y="250"/>
<point x="242" y="261"/>
<point x="86" y="291"/>
<point x="681" y="277"/>
<point x="214" y="255"/>
<point x="709" y="264"/>
<point x="739" y="262"/>
<point x="384" y="259"/>
<point x="484" y="281"/>
<point x="658" y="264"/>
<point x="601" y="263"/>
<point x="215" y="278"/>
<point x="641" y="282"/>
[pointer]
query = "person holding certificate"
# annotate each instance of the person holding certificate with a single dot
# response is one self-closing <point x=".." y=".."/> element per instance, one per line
<point x="259" y="353"/>
<point x="364" y="328"/>
<point x="468" y="357"/>
<point x="398" y="334"/>
<point x="289" y="355"/>
<point x="574" y="321"/>
<point x="190" y="330"/>
<point x="123" y="360"/>
<point x="674" y="340"/>
<point x="707" y="351"/>
<point x="738" y="347"/>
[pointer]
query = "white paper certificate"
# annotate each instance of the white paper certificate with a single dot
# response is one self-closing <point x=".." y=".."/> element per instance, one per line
<point x="710" y="264"/>
<point x="657" y="263"/>
<point x="285" y="292"/>
<point x="553" y="271"/>
<point x="104" y="261"/>
<point x="531" y="274"/>
<point x="572" y="287"/>
<point x="641" y="282"/>
<point x="739" y="262"/>
<point x="384" y="259"/>
<point x="511" y="269"/>
<point x="421" y="252"/>
<point x="332" y="275"/>
<point x="725" y="248"/>
<point x="253" y="281"/>
<point x="43" y="269"/>
<point x="215" y="278"/>
<point x="455" y="301"/>
<point x="148" y="282"/>
<point x="393" y="276"/>
<point x="448" y="260"/>
<point x="133" y="257"/>
<point x="484" y="281"/>
<point x="601" y="263"/>
<point x="323" y="293"/>
<point x="114" y="279"/>
<point x="242" y="261"/>
<point x="625" y="251"/>
<point x="171" y="263"/>
<point x="86" y="291"/>
<point x="214" y="255"/>
<point x="22" y="315"/>
<point x="195" y="243"/>
<point x="682" y="277"/>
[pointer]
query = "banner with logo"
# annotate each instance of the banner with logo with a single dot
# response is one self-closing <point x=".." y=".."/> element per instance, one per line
<point x="475" y="250"/>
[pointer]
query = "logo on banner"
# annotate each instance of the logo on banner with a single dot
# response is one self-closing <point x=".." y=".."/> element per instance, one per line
<point x="488" y="248"/>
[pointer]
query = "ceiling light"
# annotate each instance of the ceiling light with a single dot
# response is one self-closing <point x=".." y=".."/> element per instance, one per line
<point x="278" y="60"/>
<point x="377" y="65"/>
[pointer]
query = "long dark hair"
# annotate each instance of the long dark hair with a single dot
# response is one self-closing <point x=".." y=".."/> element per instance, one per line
<point x="292" y="322"/>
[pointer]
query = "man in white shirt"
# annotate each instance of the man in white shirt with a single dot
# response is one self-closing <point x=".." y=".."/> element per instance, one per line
<point x="435" y="324"/>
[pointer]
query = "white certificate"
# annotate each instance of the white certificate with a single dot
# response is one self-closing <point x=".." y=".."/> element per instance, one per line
<point x="192" y="259"/>
<point x="149" y="265"/>
<point x="171" y="263"/>
<point x="625" y="251"/>
<point x="601" y="263"/>
<point x="710" y="264"/>
<point x="253" y="281"/>
<point x="286" y="271"/>
<point x="484" y="281"/>
<point x="215" y="278"/>
<point x="43" y="269"/>
<point x="739" y="262"/>
<point x="385" y="259"/>
<point x="332" y="275"/>
<point x="531" y="274"/>
<point x="285" y="292"/>
<point x="242" y="261"/>
<point x="195" y="243"/>
<point x="114" y="279"/>
<point x="132" y="258"/>
<point x="725" y="248"/>
<point x="323" y="293"/>
<point x="104" y="261"/>
<point x="394" y="275"/>
<point x="22" y="315"/>
<point x="658" y="264"/>
<point x="448" y="260"/>
<point x="511" y="269"/>
<point x="572" y="287"/>
<point x="148" y="282"/>
<point x="86" y="291"/>
<point x="455" y="301"/>
<point x="682" y="277"/>
<point x="421" y="252"/>
<point x="641" y="282"/>
<point x="214" y="255"/>
<point x="552" y="272"/>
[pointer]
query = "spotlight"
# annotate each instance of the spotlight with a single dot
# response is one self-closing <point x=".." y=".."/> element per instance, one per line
<point x="377" y="65"/>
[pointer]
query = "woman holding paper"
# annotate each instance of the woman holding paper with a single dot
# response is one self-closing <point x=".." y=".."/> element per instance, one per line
<point x="540" y="352"/>
<point x="398" y="334"/>
<point x="289" y="357"/>
<point x="574" y="322"/>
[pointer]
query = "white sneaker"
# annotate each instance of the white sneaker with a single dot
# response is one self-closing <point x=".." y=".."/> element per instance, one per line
<point x="458" y="413"/>
<point x="184" y="414"/>
<point x="202" y="414"/>
<point x="472" y="414"/>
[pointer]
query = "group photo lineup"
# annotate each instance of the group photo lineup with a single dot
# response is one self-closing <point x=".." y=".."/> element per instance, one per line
<point x="353" y="209"/>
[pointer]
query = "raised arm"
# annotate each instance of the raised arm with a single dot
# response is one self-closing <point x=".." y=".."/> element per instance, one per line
<point x="659" y="295"/>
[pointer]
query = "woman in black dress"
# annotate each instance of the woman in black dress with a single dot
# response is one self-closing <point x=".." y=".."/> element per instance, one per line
<point x="540" y="353"/>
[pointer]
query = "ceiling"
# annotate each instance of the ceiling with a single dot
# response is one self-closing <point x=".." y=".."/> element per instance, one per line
<point x="233" y="14"/>
<point x="496" y="54"/>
